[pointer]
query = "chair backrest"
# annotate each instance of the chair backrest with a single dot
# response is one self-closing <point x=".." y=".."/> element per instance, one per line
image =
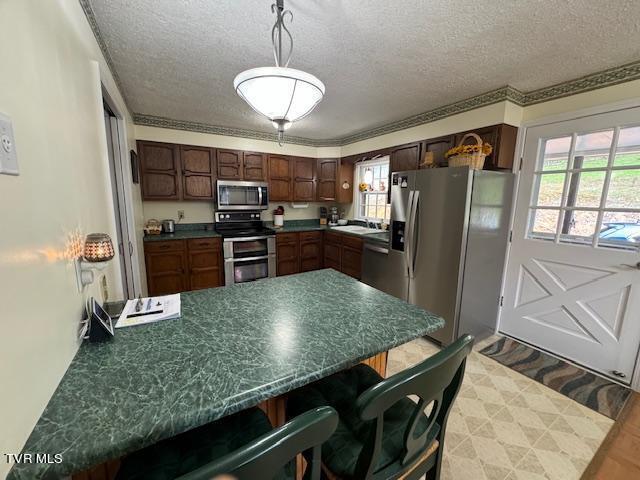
<point x="268" y="455"/>
<point x="437" y="380"/>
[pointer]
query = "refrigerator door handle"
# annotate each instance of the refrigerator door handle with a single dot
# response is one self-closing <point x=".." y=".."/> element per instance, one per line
<point x="408" y="232"/>
<point x="412" y="219"/>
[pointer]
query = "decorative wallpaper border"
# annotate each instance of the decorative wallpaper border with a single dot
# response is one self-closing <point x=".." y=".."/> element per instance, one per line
<point x="606" y="78"/>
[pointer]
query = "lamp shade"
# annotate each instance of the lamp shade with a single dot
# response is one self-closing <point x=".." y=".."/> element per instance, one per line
<point x="283" y="95"/>
<point x="98" y="248"/>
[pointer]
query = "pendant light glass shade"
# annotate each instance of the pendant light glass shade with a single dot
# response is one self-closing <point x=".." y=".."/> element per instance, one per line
<point x="280" y="94"/>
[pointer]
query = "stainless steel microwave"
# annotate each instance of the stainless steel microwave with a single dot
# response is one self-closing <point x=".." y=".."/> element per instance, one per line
<point x="238" y="195"/>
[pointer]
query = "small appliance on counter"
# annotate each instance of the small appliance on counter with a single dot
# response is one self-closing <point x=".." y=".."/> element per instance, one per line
<point x="333" y="216"/>
<point x="278" y="217"/>
<point x="168" y="226"/>
<point x="323" y="215"/>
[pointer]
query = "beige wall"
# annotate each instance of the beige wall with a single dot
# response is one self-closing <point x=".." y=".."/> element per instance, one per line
<point x="50" y="87"/>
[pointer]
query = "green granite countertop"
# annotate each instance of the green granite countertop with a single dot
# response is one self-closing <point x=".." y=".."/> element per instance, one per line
<point x="233" y="348"/>
<point x="379" y="237"/>
<point x="181" y="235"/>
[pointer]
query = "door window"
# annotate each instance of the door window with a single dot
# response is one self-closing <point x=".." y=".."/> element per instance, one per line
<point x="586" y="189"/>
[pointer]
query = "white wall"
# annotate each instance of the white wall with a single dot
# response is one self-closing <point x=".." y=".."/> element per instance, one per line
<point x="50" y="87"/>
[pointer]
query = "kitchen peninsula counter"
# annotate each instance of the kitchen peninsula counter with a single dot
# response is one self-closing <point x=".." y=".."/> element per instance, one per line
<point x="233" y="348"/>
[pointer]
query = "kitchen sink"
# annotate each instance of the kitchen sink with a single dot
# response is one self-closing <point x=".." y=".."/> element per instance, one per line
<point x="356" y="229"/>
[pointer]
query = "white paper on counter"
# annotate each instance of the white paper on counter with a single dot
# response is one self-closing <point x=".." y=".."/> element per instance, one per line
<point x="170" y="305"/>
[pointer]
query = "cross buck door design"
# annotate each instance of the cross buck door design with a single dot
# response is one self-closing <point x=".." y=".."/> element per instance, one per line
<point x="572" y="285"/>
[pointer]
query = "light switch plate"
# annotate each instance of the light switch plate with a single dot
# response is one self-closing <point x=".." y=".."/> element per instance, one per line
<point x="8" y="156"/>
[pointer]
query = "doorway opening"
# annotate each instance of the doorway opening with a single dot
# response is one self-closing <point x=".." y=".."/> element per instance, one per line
<point x="115" y="150"/>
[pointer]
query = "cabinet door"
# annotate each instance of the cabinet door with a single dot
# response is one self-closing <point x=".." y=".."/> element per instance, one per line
<point x="160" y="170"/>
<point x="437" y="147"/>
<point x="405" y="157"/>
<point x="280" y="181"/>
<point x="229" y="164"/>
<point x="310" y="255"/>
<point x="332" y="256"/>
<point x="254" y="166"/>
<point x="198" y="172"/>
<point x="351" y="261"/>
<point x="304" y="179"/>
<point x="166" y="272"/>
<point x="503" y="140"/>
<point x="205" y="263"/>
<point x="327" y="178"/>
<point x="287" y="255"/>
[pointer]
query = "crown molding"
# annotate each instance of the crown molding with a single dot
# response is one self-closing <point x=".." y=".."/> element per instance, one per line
<point x="605" y="78"/>
<point x="164" y="122"/>
<point x="91" y="19"/>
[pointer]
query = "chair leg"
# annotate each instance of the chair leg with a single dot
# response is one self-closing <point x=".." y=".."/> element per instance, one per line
<point x="434" y="473"/>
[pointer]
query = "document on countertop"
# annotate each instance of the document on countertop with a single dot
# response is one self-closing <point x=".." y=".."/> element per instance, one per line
<point x="154" y="309"/>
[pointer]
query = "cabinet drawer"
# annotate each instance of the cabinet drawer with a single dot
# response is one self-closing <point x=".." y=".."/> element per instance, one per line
<point x="334" y="238"/>
<point x="352" y="242"/>
<point x="205" y="259"/>
<point x="204" y="244"/>
<point x="286" y="237"/>
<point x="315" y="235"/>
<point x="164" y="246"/>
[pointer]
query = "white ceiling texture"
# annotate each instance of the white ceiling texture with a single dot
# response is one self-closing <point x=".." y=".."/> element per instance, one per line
<point x="381" y="61"/>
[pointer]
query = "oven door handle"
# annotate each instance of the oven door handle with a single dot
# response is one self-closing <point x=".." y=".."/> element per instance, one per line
<point x="247" y="259"/>
<point x="248" y="239"/>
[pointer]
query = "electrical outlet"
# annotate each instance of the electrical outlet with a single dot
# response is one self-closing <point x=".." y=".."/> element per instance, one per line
<point x="8" y="157"/>
<point x="180" y="214"/>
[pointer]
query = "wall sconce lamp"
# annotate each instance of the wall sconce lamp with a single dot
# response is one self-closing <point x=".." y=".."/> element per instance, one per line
<point x="98" y="250"/>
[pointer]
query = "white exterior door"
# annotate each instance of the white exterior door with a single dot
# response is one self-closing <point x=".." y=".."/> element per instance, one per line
<point x="572" y="285"/>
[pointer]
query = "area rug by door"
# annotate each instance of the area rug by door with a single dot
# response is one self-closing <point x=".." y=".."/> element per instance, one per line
<point x="584" y="387"/>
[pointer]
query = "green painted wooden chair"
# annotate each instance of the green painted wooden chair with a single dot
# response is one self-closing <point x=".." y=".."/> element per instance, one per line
<point x="242" y="445"/>
<point x="382" y="434"/>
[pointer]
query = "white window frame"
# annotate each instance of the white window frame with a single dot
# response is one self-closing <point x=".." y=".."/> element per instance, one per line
<point x="539" y="172"/>
<point x="358" y="178"/>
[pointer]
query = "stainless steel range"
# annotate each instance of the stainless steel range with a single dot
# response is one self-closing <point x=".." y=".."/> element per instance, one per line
<point x="249" y="248"/>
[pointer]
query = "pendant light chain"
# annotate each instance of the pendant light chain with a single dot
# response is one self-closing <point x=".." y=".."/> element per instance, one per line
<point x="276" y="33"/>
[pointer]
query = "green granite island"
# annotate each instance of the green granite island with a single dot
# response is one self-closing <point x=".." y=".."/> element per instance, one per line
<point x="233" y="348"/>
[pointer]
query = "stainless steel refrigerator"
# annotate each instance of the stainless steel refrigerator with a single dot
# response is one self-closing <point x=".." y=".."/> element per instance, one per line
<point x="447" y="246"/>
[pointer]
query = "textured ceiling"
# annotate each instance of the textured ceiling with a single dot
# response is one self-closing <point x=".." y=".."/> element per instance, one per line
<point x="381" y="61"/>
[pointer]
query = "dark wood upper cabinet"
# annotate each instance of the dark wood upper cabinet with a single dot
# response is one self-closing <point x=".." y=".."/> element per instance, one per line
<point x="502" y="138"/>
<point x="229" y="164"/>
<point x="405" y="157"/>
<point x="327" y="178"/>
<point x="280" y="178"/>
<point x="254" y="166"/>
<point x="160" y="168"/>
<point x="304" y="179"/>
<point x="198" y="172"/>
<point x="437" y="147"/>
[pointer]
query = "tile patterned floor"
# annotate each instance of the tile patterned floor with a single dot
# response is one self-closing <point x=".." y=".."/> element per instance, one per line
<point x="505" y="426"/>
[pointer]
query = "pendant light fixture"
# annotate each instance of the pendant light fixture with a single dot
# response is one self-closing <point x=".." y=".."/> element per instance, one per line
<point x="283" y="95"/>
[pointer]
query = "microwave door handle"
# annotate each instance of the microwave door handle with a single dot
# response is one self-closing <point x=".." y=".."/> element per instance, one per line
<point x="413" y="241"/>
<point x="408" y="233"/>
<point x="259" y="196"/>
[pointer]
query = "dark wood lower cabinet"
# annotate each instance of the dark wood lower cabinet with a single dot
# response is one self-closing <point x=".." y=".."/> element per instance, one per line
<point x="287" y="254"/>
<point x="175" y="266"/>
<point x="310" y="251"/>
<point x="298" y="252"/>
<point x="343" y="253"/>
